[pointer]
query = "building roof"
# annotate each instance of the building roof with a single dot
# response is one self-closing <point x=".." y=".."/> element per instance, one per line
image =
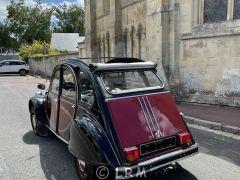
<point x="66" y="41"/>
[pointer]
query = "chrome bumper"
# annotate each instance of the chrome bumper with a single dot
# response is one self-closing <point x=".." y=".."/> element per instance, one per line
<point x="145" y="167"/>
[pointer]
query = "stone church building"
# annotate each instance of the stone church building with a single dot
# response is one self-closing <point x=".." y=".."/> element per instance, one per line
<point x="196" y="43"/>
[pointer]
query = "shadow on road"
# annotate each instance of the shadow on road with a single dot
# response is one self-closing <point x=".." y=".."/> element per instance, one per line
<point x="177" y="174"/>
<point x="220" y="146"/>
<point x="56" y="161"/>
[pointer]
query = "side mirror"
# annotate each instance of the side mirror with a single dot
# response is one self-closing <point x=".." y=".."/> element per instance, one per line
<point x="41" y="86"/>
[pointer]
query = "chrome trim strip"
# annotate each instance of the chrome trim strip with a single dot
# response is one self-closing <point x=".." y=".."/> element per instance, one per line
<point x="57" y="135"/>
<point x="163" y="157"/>
<point x="154" y="126"/>
<point x="126" y="97"/>
<point x="145" y="117"/>
<point x="123" y="66"/>
<point x="154" y="117"/>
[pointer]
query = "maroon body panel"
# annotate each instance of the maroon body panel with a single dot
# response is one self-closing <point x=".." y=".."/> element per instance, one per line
<point x="141" y="119"/>
<point x="52" y="109"/>
<point x="66" y="114"/>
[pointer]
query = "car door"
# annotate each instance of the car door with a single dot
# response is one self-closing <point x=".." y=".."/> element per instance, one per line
<point x="15" y="66"/>
<point x="52" y="99"/>
<point x="68" y="100"/>
<point x="4" y="68"/>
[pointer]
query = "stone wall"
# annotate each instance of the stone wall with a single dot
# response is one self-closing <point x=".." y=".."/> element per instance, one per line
<point x="210" y="70"/>
<point x="44" y="66"/>
<point x="82" y="50"/>
<point x="9" y="57"/>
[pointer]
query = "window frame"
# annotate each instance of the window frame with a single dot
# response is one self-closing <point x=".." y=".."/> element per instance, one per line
<point x="200" y="14"/>
<point x="132" y="91"/>
<point x="233" y="9"/>
<point x="5" y="63"/>
<point x="227" y="10"/>
<point x="66" y="98"/>
<point x="80" y="89"/>
<point x="58" y="68"/>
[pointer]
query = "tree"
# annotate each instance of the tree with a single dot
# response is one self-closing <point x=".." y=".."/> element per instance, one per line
<point x="69" y="19"/>
<point x="6" y="40"/>
<point x="29" y="23"/>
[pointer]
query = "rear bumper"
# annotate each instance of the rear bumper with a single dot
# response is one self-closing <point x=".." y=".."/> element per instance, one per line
<point x="145" y="167"/>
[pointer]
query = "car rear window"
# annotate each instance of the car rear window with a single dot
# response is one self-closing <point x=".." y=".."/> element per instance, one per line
<point x="130" y="81"/>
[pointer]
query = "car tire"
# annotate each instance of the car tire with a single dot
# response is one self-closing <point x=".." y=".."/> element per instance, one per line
<point x="23" y="72"/>
<point x="84" y="173"/>
<point x="37" y="127"/>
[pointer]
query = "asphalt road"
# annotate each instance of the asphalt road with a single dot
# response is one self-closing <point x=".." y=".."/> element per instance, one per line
<point x="25" y="156"/>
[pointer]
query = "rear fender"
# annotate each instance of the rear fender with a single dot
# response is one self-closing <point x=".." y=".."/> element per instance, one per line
<point x="89" y="142"/>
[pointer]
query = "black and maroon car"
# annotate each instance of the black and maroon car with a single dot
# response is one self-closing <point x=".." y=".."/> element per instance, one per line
<point x="116" y="117"/>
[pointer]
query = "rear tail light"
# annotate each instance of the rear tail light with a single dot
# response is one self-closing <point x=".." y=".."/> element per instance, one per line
<point x="131" y="154"/>
<point x="185" y="138"/>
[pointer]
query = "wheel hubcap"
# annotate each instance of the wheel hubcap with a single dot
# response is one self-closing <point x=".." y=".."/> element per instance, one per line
<point x="22" y="73"/>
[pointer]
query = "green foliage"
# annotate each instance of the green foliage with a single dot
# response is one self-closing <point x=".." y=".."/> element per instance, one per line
<point x="37" y="50"/>
<point x="70" y="19"/>
<point x="29" y="23"/>
<point x="6" y="40"/>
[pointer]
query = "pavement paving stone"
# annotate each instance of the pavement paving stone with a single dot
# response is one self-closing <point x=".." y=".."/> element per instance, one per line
<point x="219" y="114"/>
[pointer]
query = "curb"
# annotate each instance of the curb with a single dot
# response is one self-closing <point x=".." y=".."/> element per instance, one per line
<point x="213" y="125"/>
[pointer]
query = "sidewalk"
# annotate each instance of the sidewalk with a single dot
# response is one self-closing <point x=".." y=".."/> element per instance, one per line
<point x="215" y="117"/>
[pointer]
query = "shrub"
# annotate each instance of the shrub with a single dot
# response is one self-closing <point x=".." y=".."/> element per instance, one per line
<point x="37" y="50"/>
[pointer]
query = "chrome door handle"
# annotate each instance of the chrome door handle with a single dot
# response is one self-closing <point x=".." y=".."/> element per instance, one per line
<point x="56" y="100"/>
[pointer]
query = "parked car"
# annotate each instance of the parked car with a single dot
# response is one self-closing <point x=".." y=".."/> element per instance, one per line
<point x="14" y="66"/>
<point x="117" y="118"/>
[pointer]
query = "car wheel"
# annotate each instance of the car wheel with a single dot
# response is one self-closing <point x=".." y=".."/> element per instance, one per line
<point x="23" y="72"/>
<point x="84" y="171"/>
<point x="37" y="127"/>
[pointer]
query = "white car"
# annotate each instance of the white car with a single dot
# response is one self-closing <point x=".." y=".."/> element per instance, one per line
<point x="14" y="66"/>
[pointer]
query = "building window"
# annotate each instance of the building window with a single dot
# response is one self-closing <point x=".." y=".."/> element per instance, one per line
<point x="215" y="10"/>
<point x="236" y="14"/>
<point x="106" y="6"/>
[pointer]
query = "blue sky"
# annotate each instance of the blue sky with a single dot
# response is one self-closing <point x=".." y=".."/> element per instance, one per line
<point x="5" y="3"/>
